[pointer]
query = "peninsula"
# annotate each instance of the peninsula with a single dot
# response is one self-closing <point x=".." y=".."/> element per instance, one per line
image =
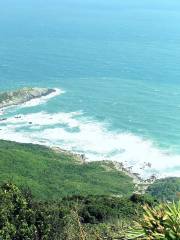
<point x="23" y="95"/>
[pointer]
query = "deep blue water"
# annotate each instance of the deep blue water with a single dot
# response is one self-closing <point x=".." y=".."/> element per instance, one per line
<point x="118" y="64"/>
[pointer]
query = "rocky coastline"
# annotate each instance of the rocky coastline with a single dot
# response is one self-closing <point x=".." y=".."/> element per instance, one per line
<point x="24" y="95"/>
<point x="140" y="184"/>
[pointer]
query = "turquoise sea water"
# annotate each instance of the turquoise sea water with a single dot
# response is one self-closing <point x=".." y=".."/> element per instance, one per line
<point x="118" y="65"/>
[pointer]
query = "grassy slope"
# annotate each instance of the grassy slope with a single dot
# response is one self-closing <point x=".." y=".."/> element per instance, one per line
<point x="51" y="175"/>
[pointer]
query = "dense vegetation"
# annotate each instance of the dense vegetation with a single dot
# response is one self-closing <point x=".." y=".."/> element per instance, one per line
<point x="23" y="217"/>
<point x="54" y="196"/>
<point x="52" y="175"/>
<point x="165" y="189"/>
<point x="85" y="217"/>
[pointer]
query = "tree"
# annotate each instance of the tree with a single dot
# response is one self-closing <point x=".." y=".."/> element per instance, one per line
<point x="16" y="217"/>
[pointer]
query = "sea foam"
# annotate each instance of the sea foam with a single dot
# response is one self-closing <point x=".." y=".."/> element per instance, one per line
<point x="72" y="131"/>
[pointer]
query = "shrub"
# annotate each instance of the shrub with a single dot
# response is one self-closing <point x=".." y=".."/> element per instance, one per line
<point x="161" y="222"/>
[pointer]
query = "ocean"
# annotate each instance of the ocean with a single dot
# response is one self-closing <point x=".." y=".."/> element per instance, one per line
<point x="116" y="65"/>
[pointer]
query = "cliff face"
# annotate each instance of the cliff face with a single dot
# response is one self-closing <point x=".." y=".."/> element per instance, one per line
<point x="22" y="96"/>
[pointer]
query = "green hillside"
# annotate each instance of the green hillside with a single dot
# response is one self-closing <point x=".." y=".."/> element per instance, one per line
<point x="87" y="206"/>
<point x="51" y="175"/>
<point x="165" y="189"/>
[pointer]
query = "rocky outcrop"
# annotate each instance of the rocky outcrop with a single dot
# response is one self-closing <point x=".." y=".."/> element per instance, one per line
<point x="23" y="95"/>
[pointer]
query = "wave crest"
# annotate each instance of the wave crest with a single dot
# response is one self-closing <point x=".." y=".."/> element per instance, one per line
<point x="73" y="132"/>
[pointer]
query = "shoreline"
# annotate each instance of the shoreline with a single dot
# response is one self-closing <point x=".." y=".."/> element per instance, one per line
<point x="49" y="93"/>
<point x="140" y="184"/>
<point x="24" y="96"/>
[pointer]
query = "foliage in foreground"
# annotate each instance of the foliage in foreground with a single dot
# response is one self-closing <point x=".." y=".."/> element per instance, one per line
<point x="85" y="217"/>
<point x="73" y="218"/>
<point x="23" y="219"/>
<point x="161" y="222"/>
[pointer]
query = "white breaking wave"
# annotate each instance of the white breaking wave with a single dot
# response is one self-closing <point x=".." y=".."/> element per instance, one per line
<point x="73" y="132"/>
<point x="43" y="99"/>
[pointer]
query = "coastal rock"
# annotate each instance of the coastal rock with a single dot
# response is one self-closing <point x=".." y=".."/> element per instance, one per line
<point x="23" y="95"/>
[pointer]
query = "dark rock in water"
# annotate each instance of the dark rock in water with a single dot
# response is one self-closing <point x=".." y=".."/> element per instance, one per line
<point x="3" y="119"/>
<point x="17" y="117"/>
<point x="30" y="122"/>
<point x="23" y="95"/>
